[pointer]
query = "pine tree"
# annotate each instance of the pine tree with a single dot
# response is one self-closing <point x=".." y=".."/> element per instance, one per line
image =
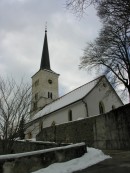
<point x="21" y="128"/>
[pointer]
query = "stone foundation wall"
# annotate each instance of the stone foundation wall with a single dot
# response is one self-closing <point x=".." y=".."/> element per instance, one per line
<point x="72" y="132"/>
<point x="32" y="161"/>
<point x="26" y="146"/>
<point x="107" y="131"/>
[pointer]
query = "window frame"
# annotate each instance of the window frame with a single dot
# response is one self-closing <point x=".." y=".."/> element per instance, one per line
<point x="101" y="107"/>
<point x="70" y="116"/>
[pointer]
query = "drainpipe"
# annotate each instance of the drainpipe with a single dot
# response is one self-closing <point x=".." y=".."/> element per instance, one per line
<point x="86" y="107"/>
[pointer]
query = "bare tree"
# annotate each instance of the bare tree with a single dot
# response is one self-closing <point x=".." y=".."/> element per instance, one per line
<point x="79" y="6"/>
<point x="110" y="53"/>
<point x="113" y="10"/>
<point x="14" y="107"/>
<point x="105" y="8"/>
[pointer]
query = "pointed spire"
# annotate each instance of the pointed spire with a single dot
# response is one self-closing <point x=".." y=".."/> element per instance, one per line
<point x="45" y="61"/>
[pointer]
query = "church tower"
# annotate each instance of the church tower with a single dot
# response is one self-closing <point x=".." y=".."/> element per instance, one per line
<point x="44" y="82"/>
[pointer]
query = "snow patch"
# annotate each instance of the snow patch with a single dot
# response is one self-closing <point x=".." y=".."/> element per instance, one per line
<point x="80" y="118"/>
<point x="92" y="157"/>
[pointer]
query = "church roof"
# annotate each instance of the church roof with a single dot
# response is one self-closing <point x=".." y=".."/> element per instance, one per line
<point x="68" y="99"/>
<point x="45" y="60"/>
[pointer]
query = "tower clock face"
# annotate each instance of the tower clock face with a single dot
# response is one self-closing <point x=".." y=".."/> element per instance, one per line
<point x="50" y="81"/>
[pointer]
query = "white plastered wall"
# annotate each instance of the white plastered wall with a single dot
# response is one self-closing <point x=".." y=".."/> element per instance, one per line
<point x="61" y="116"/>
<point x="104" y="93"/>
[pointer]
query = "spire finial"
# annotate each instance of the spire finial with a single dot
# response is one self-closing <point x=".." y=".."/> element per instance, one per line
<point x="46" y="27"/>
<point x="45" y="61"/>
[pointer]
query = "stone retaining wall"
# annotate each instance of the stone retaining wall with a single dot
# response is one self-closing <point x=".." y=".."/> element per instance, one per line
<point x="32" y="161"/>
<point x="26" y="146"/>
<point x="107" y="131"/>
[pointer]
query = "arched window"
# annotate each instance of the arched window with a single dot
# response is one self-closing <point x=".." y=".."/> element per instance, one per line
<point x="36" y="96"/>
<point x="49" y="95"/>
<point x="70" y="115"/>
<point x="53" y="123"/>
<point x="40" y="126"/>
<point x="113" y="107"/>
<point x="29" y="135"/>
<point x="35" y="106"/>
<point x="101" y="108"/>
<point x="86" y="109"/>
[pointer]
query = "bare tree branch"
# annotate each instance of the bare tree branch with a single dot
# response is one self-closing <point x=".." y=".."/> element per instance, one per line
<point x="14" y="106"/>
<point x="111" y="50"/>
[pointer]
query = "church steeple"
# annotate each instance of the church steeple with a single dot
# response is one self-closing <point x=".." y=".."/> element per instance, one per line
<point x="45" y="61"/>
<point x="44" y="82"/>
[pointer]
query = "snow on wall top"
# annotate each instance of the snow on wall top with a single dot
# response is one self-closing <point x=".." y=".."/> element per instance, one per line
<point x="30" y="153"/>
<point x="67" y="99"/>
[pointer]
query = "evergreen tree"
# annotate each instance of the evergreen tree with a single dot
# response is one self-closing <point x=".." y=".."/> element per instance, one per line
<point x="21" y="128"/>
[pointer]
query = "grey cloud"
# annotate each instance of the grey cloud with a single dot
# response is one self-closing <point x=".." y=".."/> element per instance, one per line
<point x="22" y="25"/>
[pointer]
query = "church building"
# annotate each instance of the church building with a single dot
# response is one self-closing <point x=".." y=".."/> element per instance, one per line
<point x="47" y="108"/>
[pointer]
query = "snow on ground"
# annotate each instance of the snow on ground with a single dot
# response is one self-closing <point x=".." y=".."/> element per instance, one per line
<point x="92" y="157"/>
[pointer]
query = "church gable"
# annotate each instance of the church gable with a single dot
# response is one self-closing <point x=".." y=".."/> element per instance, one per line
<point x="102" y="98"/>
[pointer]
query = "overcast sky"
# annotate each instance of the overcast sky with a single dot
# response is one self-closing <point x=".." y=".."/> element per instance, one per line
<point x="22" y="29"/>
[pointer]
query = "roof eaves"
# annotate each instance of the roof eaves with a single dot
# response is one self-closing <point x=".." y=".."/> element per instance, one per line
<point x="54" y="111"/>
